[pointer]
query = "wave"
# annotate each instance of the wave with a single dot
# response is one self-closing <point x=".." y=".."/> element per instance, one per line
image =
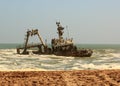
<point x="101" y="59"/>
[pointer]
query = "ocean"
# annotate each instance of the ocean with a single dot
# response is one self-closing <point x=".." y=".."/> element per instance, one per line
<point x="105" y="56"/>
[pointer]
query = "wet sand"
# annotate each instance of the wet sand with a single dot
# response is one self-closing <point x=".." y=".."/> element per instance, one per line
<point x="60" y="78"/>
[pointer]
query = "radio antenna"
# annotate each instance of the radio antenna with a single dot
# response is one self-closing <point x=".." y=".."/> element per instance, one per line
<point x="67" y="31"/>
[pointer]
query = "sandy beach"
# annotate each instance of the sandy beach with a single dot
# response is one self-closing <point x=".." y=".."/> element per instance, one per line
<point x="60" y="78"/>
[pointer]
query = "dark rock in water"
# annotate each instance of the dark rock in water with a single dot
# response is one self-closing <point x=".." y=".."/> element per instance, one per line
<point x="59" y="46"/>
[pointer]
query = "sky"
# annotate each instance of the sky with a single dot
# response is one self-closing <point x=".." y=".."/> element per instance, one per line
<point x="86" y="21"/>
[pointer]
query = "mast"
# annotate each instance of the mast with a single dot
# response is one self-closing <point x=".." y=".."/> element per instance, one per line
<point x="60" y="30"/>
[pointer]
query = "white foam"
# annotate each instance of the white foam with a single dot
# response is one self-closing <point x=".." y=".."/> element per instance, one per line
<point x="9" y="60"/>
<point x="102" y="66"/>
<point x="115" y="54"/>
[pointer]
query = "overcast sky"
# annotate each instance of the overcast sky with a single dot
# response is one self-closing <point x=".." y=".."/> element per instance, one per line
<point x="86" y="21"/>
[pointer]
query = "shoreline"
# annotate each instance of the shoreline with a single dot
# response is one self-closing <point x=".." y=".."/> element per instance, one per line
<point x="61" y="78"/>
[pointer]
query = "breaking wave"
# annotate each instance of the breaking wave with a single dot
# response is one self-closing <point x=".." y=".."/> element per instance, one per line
<point x="101" y="59"/>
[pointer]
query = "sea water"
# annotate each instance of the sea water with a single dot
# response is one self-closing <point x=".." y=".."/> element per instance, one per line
<point x="105" y="56"/>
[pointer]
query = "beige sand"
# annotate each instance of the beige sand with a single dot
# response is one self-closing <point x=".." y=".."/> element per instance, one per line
<point x="60" y="78"/>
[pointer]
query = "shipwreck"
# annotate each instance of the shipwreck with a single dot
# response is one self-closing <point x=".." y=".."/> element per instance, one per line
<point x="59" y="46"/>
